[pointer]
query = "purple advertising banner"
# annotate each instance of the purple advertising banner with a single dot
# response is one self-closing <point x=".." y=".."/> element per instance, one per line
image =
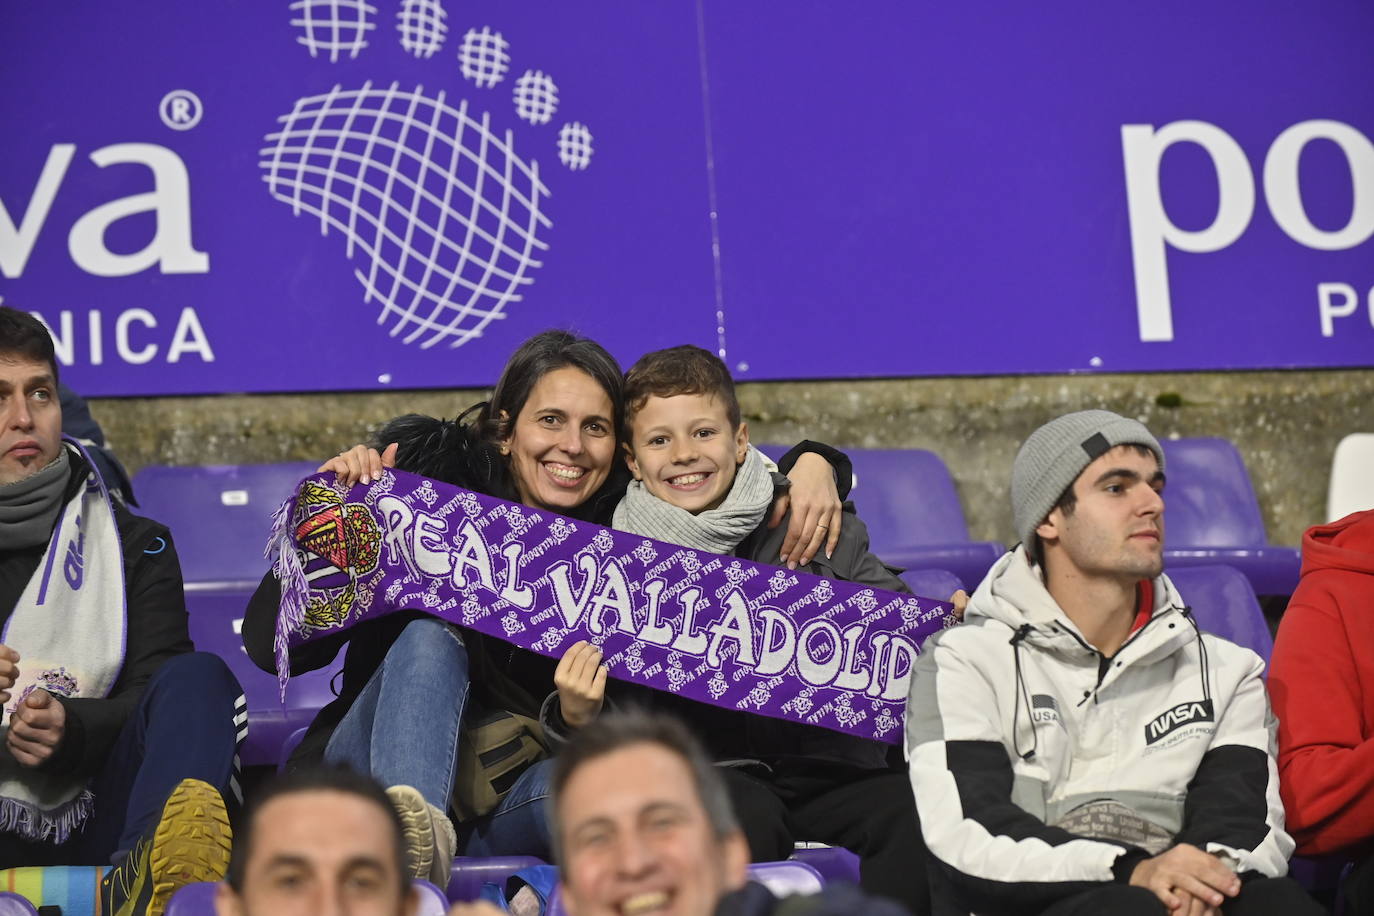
<point x="306" y="195"/>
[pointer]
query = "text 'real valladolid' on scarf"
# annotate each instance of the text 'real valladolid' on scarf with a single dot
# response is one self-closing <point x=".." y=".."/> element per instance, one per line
<point x="715" y="629"/>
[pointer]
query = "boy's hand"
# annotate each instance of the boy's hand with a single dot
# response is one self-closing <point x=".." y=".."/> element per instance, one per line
<point x="360" y="464"/>
<point x="816" y="511"/>
<point x="36" y="728"/>
<point x="960" y="601"/>
<point x="581" y="682"/>
<point x="9" y="671"/>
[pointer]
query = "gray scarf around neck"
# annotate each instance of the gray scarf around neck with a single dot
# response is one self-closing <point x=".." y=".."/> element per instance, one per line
<point x="717" y="530"/>
<point x="29" y="507"/>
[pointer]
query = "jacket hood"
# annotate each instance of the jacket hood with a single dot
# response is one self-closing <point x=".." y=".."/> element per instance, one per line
<point x="1013" y="593"/>
<point x="1347" y="544"/>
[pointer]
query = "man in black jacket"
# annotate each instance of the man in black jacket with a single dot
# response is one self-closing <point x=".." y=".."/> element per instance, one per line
<point x="117" y="739"/>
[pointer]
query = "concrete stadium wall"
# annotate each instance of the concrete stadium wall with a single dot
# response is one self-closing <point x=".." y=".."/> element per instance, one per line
<point x="1286" y="424"/>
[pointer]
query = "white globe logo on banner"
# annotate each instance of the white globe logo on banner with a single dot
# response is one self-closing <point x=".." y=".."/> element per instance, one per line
<point x="444" y="221"/>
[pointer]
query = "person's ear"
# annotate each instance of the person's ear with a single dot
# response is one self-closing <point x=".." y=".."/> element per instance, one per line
<point x="1049" y="528"/>
<point x="503" y="423"/>
<point x="741" y="441"/>
<point x="227" y="902"/>
<point x="630" y="461"/>
<point x="735" y="852"/>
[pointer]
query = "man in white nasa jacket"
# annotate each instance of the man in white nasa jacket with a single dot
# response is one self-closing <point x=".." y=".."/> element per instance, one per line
<point x="1078" y="745"/>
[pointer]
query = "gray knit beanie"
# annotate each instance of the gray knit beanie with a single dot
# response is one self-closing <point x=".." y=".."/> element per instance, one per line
<point x="1051" y="459"/>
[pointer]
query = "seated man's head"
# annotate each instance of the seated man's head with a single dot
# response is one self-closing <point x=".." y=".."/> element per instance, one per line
<point x="683" y="432"/>
<point x="1085" y="493"/>
<point x="31" y="435"/>
<point x="321" y="840"/>
<point x="642" y="821"/>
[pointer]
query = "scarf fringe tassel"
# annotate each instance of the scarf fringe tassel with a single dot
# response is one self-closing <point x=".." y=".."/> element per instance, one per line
<point x="36" y="825"/>
<point x="286" y="564"/>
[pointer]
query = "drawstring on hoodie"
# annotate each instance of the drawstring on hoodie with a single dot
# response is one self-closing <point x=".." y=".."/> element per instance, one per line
<point x="1205" y="674"/>
<point x="1021" y="633"/>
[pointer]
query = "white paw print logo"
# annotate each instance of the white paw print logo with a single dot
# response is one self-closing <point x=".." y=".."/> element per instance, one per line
<point x="717" y="686"/>
<point x="443" y="218"/>
<point x="603" y="542"/>
<point x="645" y="553"/>
<point x="512" y="624"/>
<point x="823" y="591"/>
<point x="427" y="494"/>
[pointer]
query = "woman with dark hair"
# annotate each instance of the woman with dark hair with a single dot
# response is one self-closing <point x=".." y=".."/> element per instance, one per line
<point x="412" y="682"/>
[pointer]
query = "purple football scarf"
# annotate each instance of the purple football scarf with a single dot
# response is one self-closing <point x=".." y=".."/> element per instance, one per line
<point x="720" y="630"/>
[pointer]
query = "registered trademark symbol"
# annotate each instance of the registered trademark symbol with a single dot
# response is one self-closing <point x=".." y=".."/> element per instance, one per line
<point x="180" y="109"/>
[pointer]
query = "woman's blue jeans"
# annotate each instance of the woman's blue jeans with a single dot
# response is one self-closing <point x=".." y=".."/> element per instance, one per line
<point x="404" y="730"/>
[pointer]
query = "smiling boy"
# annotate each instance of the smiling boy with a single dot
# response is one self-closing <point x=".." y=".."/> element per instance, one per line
<point x="699" y="483"/>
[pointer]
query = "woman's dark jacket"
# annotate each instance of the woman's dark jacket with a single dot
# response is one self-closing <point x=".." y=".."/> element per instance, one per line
<point x="502" y="676"/>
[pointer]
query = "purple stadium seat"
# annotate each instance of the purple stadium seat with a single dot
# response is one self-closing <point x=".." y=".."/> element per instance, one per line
<point x="220" y="516"/>
<point x="196" y="899"/>
<point x="1212" y="516"/>
<point x="1223" y="603"/>
<point x="215" y="619"/>
<point x="787" y="878"/>
<point x="199" y="900"/>
<point x="832" y="863"/>
<point x="933" y="583"/>
<point x="471" y="872"/>
<point x="432" y="900"/>
<point x="15" y="905"/>
<point x="914" y="517"/>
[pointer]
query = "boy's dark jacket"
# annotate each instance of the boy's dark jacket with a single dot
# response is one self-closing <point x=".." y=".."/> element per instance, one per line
<point x="731" y="735"/>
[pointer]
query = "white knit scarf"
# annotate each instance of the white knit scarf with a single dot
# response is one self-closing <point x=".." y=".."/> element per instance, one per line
<point x="717" y="530"/>
<point x="69" y="630"/>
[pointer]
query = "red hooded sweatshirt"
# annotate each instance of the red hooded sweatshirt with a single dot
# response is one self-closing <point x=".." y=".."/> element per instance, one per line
<point x="1321" y="682"/>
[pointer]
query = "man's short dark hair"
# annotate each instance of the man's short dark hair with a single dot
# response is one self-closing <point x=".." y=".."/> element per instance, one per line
<point x="615" y="731"/>
<point x="324" y="778"/>
<point x="680" y="370"/>
<point x="24" y="336"/>
<point x="1067" y="502"/>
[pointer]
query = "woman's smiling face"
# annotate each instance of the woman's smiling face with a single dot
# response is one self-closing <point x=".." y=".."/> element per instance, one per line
<point x="562" y="443"/>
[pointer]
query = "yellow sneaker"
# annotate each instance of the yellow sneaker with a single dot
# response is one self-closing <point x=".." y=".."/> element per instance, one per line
<point x="190" y="842"/>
